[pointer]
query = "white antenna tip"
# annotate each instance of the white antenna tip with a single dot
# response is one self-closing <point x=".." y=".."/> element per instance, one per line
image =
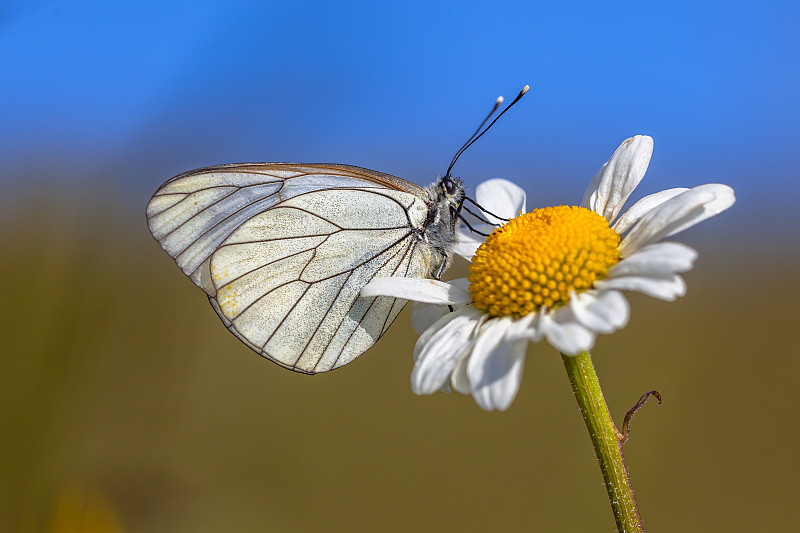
<point x="525" y="89"/>
<point x="499" y="100"/>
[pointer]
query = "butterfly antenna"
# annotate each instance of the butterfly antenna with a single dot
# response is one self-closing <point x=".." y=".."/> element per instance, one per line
<point x="478" y="133"/>
<point x="496" y="106"/>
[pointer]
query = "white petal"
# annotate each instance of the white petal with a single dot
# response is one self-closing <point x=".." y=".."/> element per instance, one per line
<point x="466" y="249"/>
<point x="662" y="287"/>
<point x="424" y="315"/>
<point x="617" y="179"/>
<point x="467" y="242"/>
<point x="565" y="333"/>
<point x="432" y="330"/>
<point x="660" y="259"/>
<point x="430" y="291"/>
<point x="642" y="207"/>
<point x="677" y="214"/>
<point x="495" y="366"/>
<point x="523" y="328"/>
<point x="439" y="355"/>
<point x="461" y="283"/>
<point x="459" y="380"/>
<point x="501" y="197"/>
<point x="535" y="331"/>
<point x="724" y="198"/>
<point x="601" y="311"/>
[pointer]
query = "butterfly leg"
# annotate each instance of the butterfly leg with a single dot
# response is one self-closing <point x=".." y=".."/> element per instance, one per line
<point x="442" y="266"/>
<point x="439" y="273"/>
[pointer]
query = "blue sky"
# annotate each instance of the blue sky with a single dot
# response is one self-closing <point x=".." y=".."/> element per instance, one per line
<point x="132" y="93"/>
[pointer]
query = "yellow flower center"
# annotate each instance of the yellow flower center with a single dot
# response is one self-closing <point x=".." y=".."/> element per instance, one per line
<point x="537" y="258"/>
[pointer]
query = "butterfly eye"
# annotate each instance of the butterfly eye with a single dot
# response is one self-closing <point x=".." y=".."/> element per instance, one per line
<point x="449" y="186"/>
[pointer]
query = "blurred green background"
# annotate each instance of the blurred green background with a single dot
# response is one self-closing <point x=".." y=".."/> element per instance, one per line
<point x="126" y="406"/>
<point x="125" y="403"/>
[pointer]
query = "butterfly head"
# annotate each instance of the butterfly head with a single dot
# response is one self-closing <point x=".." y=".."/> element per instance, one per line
<point x="444" y="203"/>
<point x="451" y="191"/>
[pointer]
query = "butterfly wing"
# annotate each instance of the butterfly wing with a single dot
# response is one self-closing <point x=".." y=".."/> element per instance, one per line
<point x="283" y="250"/>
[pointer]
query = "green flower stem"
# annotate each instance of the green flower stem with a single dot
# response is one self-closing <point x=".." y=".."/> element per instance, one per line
<point x="606" y="440"/>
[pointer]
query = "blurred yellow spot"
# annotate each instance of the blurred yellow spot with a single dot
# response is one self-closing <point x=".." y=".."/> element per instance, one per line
<point x="81" y="511"/>
<point x="536" y="259"/>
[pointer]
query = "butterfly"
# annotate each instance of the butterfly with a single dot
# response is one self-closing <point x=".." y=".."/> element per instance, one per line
<point x="282" y="250"/>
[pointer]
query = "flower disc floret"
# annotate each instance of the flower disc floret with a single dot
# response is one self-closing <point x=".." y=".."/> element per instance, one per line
<point x="538" y="258"/>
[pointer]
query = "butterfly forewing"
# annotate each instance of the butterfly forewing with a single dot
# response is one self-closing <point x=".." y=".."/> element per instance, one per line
<point x="283" y="251"/>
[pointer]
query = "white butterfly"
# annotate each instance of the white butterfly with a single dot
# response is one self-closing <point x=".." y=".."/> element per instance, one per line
<point x="283" y="250"/>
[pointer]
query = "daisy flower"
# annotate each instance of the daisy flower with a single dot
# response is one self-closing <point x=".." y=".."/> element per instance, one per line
<point x="553" y="274"/>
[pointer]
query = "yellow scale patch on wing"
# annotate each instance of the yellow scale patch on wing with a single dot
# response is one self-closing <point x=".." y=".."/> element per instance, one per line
<point x="230" y="304"/>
